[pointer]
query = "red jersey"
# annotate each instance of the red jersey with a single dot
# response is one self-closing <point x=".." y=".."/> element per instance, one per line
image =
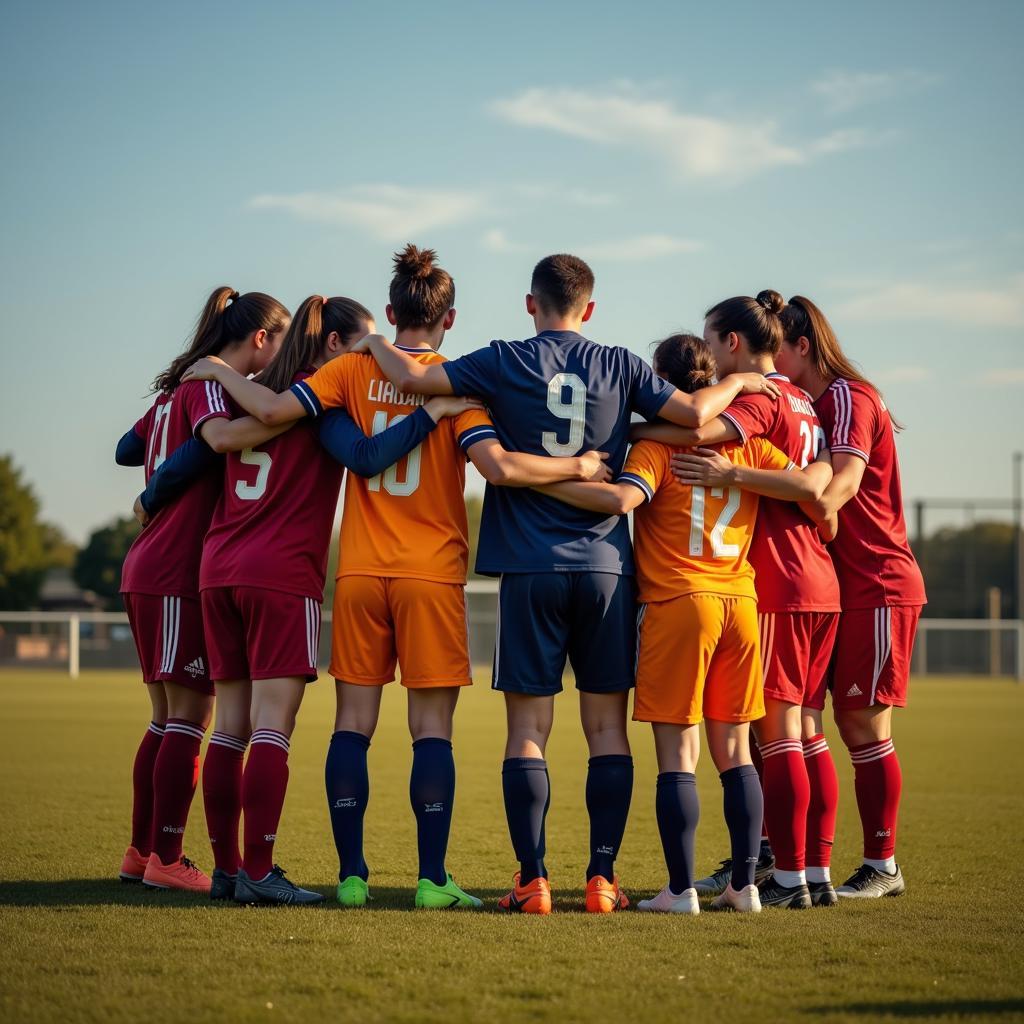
<point x="793" y="571"/>
<point x="872" y="556"/>
<point x="165" y="557"/>
<point x="272" y="527"/>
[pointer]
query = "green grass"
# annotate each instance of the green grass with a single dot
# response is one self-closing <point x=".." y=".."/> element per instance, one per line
<point x="80" y="946"/>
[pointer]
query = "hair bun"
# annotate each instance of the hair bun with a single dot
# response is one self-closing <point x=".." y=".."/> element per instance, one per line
<point x="415" y="263"/>
<point x="771" y="301"/>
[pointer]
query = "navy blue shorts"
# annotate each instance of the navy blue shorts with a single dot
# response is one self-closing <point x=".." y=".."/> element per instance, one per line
<point x="544" y="618"/>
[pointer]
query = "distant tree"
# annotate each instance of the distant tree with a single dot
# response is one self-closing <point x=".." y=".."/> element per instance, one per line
<point x="98" y="565"/>
<point x="60" y="552"/>
<point x="24" y="540"/>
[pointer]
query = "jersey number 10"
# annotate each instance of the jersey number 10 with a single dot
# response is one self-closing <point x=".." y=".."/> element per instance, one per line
<point x="394" y="486"/>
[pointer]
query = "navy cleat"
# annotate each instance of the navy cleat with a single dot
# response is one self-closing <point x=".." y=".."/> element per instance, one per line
<point x="273" y="889"/>
<point x="222" y="885"/>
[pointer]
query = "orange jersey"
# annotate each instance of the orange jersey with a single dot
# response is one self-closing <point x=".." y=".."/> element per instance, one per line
<point x="410" y="520"/>
<point x="694" y="540"/>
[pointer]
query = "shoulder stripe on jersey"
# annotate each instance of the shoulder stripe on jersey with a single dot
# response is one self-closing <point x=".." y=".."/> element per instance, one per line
<point x="742" y="432"/>
<point x="215" y="396"/>
<point x="850" y="450"/>
<point x="636" y="481"/>
<point x="469" y="437"/>
<point x="308" y="399"/>
<point x="841" y="428"/>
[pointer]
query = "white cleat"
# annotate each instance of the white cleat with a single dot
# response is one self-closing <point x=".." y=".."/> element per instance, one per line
<point x="667" y="902"/>
<point x="746" y="901"/>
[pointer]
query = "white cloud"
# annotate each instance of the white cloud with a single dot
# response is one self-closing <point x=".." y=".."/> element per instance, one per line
<point x="843" y="91"/>
<point x="1012" y="376"/>
<point x="496" y="240"/>
<point x="389" y="212"/>
<point x="695" y="146"/>
<point x="639" y="248"/>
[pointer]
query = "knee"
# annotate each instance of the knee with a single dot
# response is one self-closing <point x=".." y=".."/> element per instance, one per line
<point x="854" y="729"/>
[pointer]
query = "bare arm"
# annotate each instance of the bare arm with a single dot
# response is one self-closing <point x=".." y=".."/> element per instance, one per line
<point x="714" y="432"/>
<point x="611" y="499"/>
<point x="267" y="406"/>
<point x="709" y="469"/>
<point x="696" y="409"/>
<point x="235" y="435"/>
<point x="847" y="474"/>
<point x="407" y="374"/>
<point x="518" y="469"/>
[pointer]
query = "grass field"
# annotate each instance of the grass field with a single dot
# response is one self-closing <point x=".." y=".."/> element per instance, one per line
<point x="80" y="946"/>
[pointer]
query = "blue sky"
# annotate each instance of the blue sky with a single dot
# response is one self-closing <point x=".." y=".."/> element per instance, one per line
<point x="867" y="155"/>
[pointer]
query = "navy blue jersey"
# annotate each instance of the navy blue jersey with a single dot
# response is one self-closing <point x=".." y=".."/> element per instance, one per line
<point x="557" y="394"/>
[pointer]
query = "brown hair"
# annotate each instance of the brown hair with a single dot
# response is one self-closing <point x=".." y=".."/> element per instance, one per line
<point x="226" y="318"/>
<point x="685" y="361"/>
<point x="303" y="345"/>
<point x="421" y="292"/>
<point x="802" y="318"/>
<point x="756" y="319"/>
<point x="562" y="284"/>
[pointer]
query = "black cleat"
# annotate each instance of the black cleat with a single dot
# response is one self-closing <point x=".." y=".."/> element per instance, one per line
<point x="222" y="885"/>
<point x="274" y="889"/>
<point x="822" y="894"/>
<point x="868" y="883"/>
<point x="716" y="882"/>
<point x="773" y="894"/>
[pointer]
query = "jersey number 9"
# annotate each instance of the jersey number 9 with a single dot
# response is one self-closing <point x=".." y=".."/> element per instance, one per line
<point x="575" y="411"/>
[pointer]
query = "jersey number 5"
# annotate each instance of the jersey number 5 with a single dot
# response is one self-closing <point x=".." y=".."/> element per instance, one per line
<point x="255" y="490"/>
<point x="575" y="411"/>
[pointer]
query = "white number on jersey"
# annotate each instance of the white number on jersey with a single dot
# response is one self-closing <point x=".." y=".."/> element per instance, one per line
<point x="719" y="549"/>
<point x="575" y="411"/>
<point x="394" y="486"/>
<point x="255" y="490"/>
<point x="813" y="440"/>
<point x="158" y="445"/>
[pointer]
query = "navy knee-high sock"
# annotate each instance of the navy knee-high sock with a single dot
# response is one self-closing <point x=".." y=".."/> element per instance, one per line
<point x="609" y="789"/>
<point x="744" y="811"/>
<point x="432" y="794"/>
<point x="678" y="810"/>
<point x="348" y="790"/>
<point x="524" y="782"/>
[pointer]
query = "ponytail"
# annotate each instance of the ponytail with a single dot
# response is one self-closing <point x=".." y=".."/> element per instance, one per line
<point x="685" y="361"/>
<point x="226" y="318"/>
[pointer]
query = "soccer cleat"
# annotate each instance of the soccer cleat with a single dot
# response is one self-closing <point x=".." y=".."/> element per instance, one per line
<point x="182" y="875"/>
<point x="133" y="866"/>
<point x="868" y="883"/>
<point x="773" y="894"/>
<point x="222" y="885"/>
<point x="353" y="891"/>
<point x="532" y="898"/>
<point x="667" y="902"/>
<point x="822" y="894"/>
<point x="431" y="896"/>
<point x="716" y="882"/>
<point x="273" y="888"/>
<point x="746" y="901"/>
<point x="604" y="897"/>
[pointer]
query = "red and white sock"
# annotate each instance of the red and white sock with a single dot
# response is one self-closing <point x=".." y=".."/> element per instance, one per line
<point x="142" y="789"/>
<point x="175" y="774"/>
<point x="786" y="797"/>
<point x="821" y="812"/>
<point x="222" y="798"/>
<point x="878" y="782"/>
<point x="264" y="784"/>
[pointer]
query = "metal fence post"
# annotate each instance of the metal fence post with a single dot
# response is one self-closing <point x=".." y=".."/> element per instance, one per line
<point x="73" y="645"/>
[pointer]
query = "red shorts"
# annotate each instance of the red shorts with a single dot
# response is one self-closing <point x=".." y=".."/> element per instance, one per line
<point x="871" y="663"/>
<point x="796" y="648"/>
<point x="254" y="633"/>
<point x="168" y="634"/>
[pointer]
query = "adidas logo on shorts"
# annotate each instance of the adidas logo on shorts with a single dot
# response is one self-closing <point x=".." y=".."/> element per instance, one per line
<point x="196" y="668"/>
<point x="854" y="691"/>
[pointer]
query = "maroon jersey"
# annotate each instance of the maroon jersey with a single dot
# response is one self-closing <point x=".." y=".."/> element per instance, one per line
<point x="792" y="568"/>
<point x="165" y="557"/>
<point x="272" y="526"/>
<point x="872" y="555"/>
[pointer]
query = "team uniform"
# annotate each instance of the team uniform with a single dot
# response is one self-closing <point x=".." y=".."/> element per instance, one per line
<point x="566" y="585"/>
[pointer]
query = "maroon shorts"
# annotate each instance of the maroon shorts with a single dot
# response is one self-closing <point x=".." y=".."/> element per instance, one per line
<point x="871" y="663"/>
<point x="254" y="633"/>
<point x="796" y="648"/>
<point x="168" y="634"/>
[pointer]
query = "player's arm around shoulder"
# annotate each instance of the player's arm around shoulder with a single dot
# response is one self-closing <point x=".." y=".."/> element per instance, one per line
<point x="645" y="468"/>
<point x="269" y="407"/>
<point x="409" y="375"/>
<point x="499" y="466"/>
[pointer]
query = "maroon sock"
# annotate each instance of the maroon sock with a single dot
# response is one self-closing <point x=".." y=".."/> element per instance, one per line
<point x="878" y="782"/>
<point x="175" y="773"/>
<point x="263" y="787"/>
<point x="758" y="761"/>
<point x="821" y="813"/>
<point x="786" y="796"/>
<point x="142" y="789"/>
<point x="222" y="798"/>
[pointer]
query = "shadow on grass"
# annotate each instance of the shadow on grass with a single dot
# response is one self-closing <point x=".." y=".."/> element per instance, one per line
<point x="926" y="1008"/>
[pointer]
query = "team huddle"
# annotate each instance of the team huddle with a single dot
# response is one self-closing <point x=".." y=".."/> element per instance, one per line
<point x="768" y="567"/>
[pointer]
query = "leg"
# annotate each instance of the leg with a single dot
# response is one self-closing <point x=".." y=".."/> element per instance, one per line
<point x="676" y="803"/>
<point x="823" y="785"/>
<point x="729" y="745"/>
<point x="222" y="772"/>
<point x="142" y="775"/>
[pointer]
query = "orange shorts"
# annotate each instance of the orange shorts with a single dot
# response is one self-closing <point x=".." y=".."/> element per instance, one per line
<point x="699" y="657"/>
<point x="383" y="621"/>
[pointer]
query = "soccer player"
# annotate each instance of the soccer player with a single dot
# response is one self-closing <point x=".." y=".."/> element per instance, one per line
<point x="798" y="611"/>
<point x="160" y="585"/>
<point x="566" y="575"/>
<point x="879" y="580"/>
<point x="698" y="628"/>
<point x="400" y="592"/>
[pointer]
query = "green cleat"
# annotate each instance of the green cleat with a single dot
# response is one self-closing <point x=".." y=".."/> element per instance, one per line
<point x="441" y="897"/>
<point x="353" y="892"/>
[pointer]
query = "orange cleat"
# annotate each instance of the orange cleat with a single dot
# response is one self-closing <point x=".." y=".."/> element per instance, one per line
<point x="604" y="897"/>
<point x="133" y="867"/>
<point x="182" y="875"/>
<point x="532" y="898"/>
